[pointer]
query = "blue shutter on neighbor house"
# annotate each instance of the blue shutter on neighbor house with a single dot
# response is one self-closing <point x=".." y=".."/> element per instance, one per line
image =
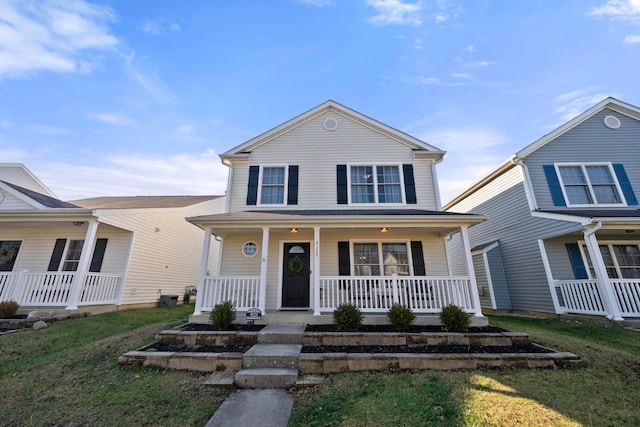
<point x="577" y="263"/>
<point x="56" y="256"/>
<point x="418" y="258"/>
<point x="98" y="256"/>
<point x="341" y="171"/>
<point x="292" y="190"/>
<point x="409" y="184"/>
<point x="344" y="263"/>
<point x="554" y="185"/>
<point x="252" y="189"/>
<point x="625" y="185"/>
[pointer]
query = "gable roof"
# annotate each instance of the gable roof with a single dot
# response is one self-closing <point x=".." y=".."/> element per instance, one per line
<point x="330" y="105"/>
<point x="142" y="202"/>
<point x="43" y="199"/>
<point x="610" y="102"/>
<point x="21" y="172"/>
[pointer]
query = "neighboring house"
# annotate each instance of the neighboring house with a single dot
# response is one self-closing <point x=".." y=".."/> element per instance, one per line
<point x="140" y="247"/>
<point x="334" y="207"/>
<point x="563" y="233"/>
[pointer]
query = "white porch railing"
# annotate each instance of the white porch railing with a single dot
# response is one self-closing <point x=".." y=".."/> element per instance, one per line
<point x="584" y="297"/>
<point x="378" y="294"/>
<point x="52" y="289"/>
<point x="244" y="292"/>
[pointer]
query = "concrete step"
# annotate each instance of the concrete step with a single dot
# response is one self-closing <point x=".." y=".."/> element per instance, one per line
<point x="272" y="356"/>
<point x="281" y="333"/>
<point x="221" y="379"/>
<point x="266" y="378"/>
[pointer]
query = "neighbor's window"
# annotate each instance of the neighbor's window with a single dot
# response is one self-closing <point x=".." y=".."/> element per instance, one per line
<point x="589" y="184"/>
<point x="72" y="259"/>
<point x="368" y="262"/>
<point x="249" y="249"/>
<point x="375" y="184"/>
<point x="621" y="260"/>
<point x="8" y="253"/>
<point x="273" y="184"/>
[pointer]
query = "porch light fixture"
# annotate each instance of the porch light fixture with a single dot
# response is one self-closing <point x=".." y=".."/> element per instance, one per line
<point x="384" y="229"/>
<point x="78" y="223"/>
<point x="294" y="230"/>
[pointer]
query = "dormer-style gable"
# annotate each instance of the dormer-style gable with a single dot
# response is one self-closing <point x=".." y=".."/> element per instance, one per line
<point x="18" y="174"/>
<point x="332" y="156"/>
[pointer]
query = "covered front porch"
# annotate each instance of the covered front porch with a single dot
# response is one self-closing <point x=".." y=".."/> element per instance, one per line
<point x="313" y="263"/>
<point x="596" y="272"/>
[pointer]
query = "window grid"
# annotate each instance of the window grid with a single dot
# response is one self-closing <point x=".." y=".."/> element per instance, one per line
<point x="272" y="189"/>
<point x="375" y="184"/>
<point x="589" y="184"/>
<point x="72" y="259"/>
<point x="8" y="253"/>
<point x="620" y="260"/>
<point x="367" y="260"/>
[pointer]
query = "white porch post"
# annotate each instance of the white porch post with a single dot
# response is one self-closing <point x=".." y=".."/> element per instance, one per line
<point x="316" y="271"/>
<point x="549" y="273"/>
<point x="472" y="275"/>
<point x="601" y="274"/>
<point x="17" y="289"/>
<point x="204" y="264"/>
<point x="83" y="266"/>
<point x="263" y="270"/>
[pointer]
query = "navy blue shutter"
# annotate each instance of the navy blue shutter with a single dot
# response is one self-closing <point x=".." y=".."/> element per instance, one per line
<point x="409" y="184"/>
<point x="418" y="259"/>
<point x="344" y="263"/>
<point x="554" y="185"/>
<point x="577" y="263"/>
<point x="56" y="256"/>
<point x="98" y="256"/>
<point x="252" y="189"/>
<point x="342" y="184"/>
<point x="292" y="190"/>
<point x="625" y="185"/>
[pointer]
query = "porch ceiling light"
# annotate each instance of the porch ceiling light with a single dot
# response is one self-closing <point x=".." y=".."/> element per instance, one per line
<point x="78" y="223"/>
<point x="294" y="230"/>
<point x="384" y="229"/>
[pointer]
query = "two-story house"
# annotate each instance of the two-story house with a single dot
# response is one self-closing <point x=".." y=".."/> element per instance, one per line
<point x="563" y="233"/>
<point x="334" y="207"/>
<point x="96" y="254"/>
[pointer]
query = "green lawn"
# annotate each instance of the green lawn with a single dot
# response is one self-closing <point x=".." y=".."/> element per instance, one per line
<point x="68" y="375"/>
<point x="604" y="392"/>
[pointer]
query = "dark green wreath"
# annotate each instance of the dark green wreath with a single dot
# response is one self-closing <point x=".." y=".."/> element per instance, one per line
<point x="296" y="265"/>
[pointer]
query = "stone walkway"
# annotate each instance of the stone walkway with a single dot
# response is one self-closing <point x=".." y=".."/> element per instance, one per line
<point x="251" y="408"/>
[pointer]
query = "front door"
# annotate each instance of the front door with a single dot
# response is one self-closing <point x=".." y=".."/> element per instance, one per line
<point x="295" y="275"/>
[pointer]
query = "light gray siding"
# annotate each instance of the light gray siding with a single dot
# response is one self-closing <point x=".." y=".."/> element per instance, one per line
<point x="12" y="203"/>
<point x="317" y="152"/>
<point x="590" y="141"/>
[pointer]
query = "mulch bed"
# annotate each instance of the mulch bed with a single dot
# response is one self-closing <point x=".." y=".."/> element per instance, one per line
<point x="422" y="349"/>
<point x="236" y="327"/>
<point x="411" y="329"/>
<point x="181" y="348"/>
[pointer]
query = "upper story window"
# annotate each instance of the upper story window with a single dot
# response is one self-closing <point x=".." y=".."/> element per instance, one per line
<point x="273" y="185"/>
<point x="376" y="184"/>
<point x="589" y="184"/>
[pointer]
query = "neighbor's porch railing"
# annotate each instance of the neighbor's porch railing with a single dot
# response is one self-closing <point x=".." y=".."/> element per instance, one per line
<point x="244" y="292"/>
<point x="378" y="294"/>
<point x="584" y="297"/>
<point x="52" y="289"/>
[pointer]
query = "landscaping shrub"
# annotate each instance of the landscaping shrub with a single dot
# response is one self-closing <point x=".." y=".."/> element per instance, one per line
<point x="223" y="315"/>
<point x="347" y="317"/>
<point x="454" y="319"/>
<point x="8" y="309"/>
<point x="186" y="298"/>
<point x="400" y="317"/>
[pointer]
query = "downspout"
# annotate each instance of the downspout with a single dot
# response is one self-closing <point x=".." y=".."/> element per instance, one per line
<point x="601" y="273"/>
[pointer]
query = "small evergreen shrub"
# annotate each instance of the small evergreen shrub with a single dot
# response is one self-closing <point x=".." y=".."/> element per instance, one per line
<point x="454" y="319"/>
<point x="223" y="315"/>
<point x="186" y="298"/>
<point x="400" y="317"/>
<point x="8" y="309"/>
<point x="347" y="317"/>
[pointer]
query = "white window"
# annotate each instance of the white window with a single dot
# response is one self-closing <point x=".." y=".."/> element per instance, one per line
<point x="622" y="260"/>
<point x="72" y="258"/>
<point x="8" y="253"/>
<point x="376" y="184"/>
<point x="368" y="262"/>
<point x="272" y="185"/>
<point x="589" y="184"/>
<point x="249" y="249"/>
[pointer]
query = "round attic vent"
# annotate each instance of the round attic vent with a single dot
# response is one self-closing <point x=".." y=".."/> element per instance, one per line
<point x="612" y="122"/>
<point x="330" y="124"/>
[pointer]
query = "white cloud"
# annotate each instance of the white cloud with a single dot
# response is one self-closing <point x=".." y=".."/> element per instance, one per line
<point x="623" y="9"/>
<point x="149" y="79"/>
<point x="470" y="48"/>
<point x="156" y="28"/>
<point x="576" y="102"/>
<point x="137" y="175"/>
<point x="111" y="118"/>
<point x="316" y="3"/>
<point x="395" y="12"/>
<point x="632" y="38"/>
<point x="52" y="36"/>
<point x="466" y="76"/>
<point x="478" y="64"/>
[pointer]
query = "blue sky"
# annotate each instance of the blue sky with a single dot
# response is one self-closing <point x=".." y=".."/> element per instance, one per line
<point x="131" y="97"/>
